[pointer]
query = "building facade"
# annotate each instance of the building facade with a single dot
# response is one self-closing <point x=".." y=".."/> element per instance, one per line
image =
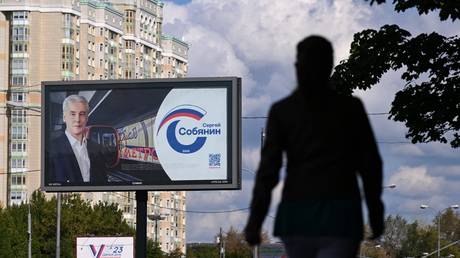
<point x="49" y="40"/>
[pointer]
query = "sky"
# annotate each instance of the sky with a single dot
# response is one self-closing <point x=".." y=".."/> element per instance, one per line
<point x="255" y="40"/>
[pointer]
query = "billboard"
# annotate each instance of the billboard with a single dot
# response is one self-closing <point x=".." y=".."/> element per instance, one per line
<point x="105" y="247"/>
<point x="123" y="135"/>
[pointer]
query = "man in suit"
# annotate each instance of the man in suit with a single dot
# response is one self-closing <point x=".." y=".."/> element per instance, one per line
<point x="328" y="142"/>
<point x="73" y="158"/>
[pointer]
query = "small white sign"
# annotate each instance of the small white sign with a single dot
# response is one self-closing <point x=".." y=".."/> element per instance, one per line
<point x="105" y="247"/>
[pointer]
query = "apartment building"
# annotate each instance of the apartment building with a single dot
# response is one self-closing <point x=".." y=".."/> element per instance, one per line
<point x="44" y="40"/>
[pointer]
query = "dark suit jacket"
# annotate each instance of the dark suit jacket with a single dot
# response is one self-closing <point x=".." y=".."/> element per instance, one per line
<point x="328" y="141"/>
<point x="63" y="165"/>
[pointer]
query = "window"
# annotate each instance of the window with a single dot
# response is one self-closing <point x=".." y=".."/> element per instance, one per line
<point x="19" y="47"/>
<point x="129" y="21"/>
<point x="17" y="196"/>
<point x="18" y="80"/>
<point x="18" y="97"/>
<point x="129" y="44"/>
<point x="18" y="180"/>
<point x="101" y="47"/>
<point x="18" y="132"/>
<point x="67" y="20"/>
<point x="18" y="146"/>
<point x="20" y="33"/>
<point x="18" y="116"/>
<point x="18" y="163"/>
<point x="67" y="57"/>
<point x="19" y="63"/>
<point x="20" y="16"/>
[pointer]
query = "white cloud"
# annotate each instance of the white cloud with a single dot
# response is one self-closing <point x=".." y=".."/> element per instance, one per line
<point x="255" y="39"/>
<point x="236" y="37"/>
<point x="251" y="157"/>
<point x="416" y="182"/>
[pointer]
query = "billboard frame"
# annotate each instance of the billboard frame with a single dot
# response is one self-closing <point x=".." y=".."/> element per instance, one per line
<point x="233" y="106"/>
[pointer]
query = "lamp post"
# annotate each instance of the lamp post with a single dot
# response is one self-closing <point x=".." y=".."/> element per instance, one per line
<point x="423" y="207"/>
<point x="156" y="218"/>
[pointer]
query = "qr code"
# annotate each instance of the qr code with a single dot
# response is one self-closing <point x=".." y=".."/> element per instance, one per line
<point x="214" y="160"/>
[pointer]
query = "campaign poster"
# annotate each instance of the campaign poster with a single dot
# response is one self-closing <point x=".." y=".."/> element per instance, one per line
<point x="164" y="134"/>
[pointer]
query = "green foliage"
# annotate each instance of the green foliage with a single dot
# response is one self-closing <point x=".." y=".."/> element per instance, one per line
<point x="202" y="251"/>
<point x="402" y="239"/>
<point x="78" y="218"/>
<point x="235" y="244"/>
<point x="177" y="253"/>
<point x="447" y="8"/>
<point x="395" y="233"/>
<point x="428" y="103"/>
<point x="154" y="249"/>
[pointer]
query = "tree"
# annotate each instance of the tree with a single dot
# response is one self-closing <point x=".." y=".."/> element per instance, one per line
<point x="236" y="245"/>
<point x="418" y="241"/>
<point x="447" y="8"/>
<point x="176" y="253"/>
<point x="154" y="249"/>
<point x="395" y="233"/>
<point x="428" y="102"/>
<point x="202" y="251"/>
<point x="78" y="218"/>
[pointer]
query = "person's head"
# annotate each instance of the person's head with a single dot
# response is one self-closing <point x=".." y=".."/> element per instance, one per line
<point x="75" y="109"/>
<point x="315" y="58"/>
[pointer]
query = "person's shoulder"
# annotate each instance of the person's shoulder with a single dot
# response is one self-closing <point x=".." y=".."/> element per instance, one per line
<point x="286" y="101"/>
<point x="347" y="99"/>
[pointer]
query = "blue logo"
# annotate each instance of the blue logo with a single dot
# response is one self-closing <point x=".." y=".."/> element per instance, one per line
<point x="178" y="113"/>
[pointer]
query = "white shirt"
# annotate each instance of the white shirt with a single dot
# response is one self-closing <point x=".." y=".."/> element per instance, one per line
<point x="81" y="153"/>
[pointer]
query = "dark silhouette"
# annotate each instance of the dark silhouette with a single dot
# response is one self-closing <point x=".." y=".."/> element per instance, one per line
<point x="328" y="141"/>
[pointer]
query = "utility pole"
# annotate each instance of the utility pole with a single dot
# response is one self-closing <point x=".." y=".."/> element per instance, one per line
<point x="58" y="226"/>
<point x="221" y="245"/>
<point x="29" y="232"/>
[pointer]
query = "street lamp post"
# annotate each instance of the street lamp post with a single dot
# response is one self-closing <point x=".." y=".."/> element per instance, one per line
<point x="156" y="218"/>
<point x="424" y="206"/>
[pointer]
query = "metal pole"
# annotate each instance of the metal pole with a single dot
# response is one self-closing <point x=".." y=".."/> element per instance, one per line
<point x="141" y="224"/>
<point x="256" y="251"/>
<point x="58" y="226"/>
<point x="221" y="246"/>
<point x="29" y="232"/>
<point x="439" y="235"/>
<point x="156" y="231"/>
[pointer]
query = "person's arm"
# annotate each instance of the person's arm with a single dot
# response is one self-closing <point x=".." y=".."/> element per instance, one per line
<point x="266" y="179"/>
<point x="370" y="169"/>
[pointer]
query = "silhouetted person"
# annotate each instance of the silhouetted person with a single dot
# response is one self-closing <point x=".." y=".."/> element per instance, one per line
<point x="328" y="141"/>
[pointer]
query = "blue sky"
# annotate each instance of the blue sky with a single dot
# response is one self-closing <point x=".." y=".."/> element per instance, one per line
<point x="255" y="40"/>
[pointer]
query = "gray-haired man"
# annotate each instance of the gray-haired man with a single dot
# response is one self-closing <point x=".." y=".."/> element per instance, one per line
<point x="73" y="158"/>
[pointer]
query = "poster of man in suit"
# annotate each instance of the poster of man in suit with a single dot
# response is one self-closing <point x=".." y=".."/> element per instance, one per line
<point x="74" y="158"/>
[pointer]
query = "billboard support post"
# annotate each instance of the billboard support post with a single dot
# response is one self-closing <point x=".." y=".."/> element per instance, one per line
<point x="141" y="223"/>
<point x="58" y="226"/>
